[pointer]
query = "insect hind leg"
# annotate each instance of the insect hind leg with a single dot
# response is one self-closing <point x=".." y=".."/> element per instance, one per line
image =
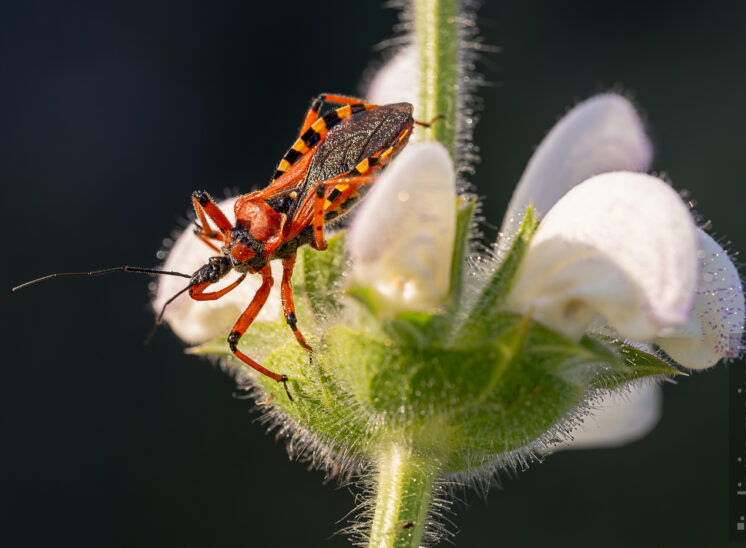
<point x="314" y="128"/>
<point x="329" y="98"/>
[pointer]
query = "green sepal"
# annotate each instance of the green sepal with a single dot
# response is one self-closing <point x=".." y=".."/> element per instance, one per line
<point x="467" y="402"/>
<point x="486" y="309"/>
<point x="636" y="364"/>
<point x="465" y="208"/>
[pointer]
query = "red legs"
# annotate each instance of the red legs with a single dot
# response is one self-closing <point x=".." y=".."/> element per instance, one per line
<point x="204" y="227"/>
<point x="313" y="113"/>
<point x="320" y="203"/>
<point x="203" y="203"/>
<point x="197" y="292"/>
<point x="288" y="307"/>
<point x="246" y="319"/>
<point x="314" y="127"/>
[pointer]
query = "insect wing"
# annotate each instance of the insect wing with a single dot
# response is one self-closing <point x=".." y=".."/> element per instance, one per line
<point x="361" y="136"/>
<point x="356" y="138"/>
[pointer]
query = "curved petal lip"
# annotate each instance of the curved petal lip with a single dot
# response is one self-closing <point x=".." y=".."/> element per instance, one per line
<point x="621" y="245"/>
<point x="715" y="327"/>
<point x="602" y="134"/>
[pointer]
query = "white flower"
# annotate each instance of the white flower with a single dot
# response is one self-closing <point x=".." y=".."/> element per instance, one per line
<point x="397" y="80"/>
<point x="622" y="246"/>
<point x="402" y="238"/>
<point x="714" y="328"/>
<point x="599" y="135"/>
<point x="619" y="419"/>
<point x="616" y="249"/>
<point x="620" y="249"/>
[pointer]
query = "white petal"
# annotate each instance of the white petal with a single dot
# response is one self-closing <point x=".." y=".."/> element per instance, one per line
<point x="619" y="419"/>
<point x="620" y="245"/>
<point x="601" y="134"/>
<point x="715" y="326"/>
<point x="401" y="239"/>
<point x="397" y="80"/>
<point x="200" y="321"/>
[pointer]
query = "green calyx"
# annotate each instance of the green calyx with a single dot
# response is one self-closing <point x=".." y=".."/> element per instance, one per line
<point x="464" y="385"/>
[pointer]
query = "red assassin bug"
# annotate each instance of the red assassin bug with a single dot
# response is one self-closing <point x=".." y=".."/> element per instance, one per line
<point x="320" y="177"/>
<point x="318" y="180"/>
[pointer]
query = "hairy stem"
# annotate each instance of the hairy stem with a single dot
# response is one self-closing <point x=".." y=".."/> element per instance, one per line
<point x="437" y="38"/>
<point x="404" y="486"/>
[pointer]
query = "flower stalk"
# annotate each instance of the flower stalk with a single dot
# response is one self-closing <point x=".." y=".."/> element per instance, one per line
<point x="404" y="485"/>
<point x="404" y="482"/>
<point x="437" y="38"/>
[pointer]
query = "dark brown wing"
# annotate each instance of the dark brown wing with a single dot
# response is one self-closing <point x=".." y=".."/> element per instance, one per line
<point x="356" y="138"/>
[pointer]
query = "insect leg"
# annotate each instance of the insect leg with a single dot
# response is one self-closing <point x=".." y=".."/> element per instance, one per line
<point x="203" y="203"/>
<point x="198" y="291"/>
<point x="246" y="320"/>
<point x="313" y="113"/>
<point x="315" y="128"/>
<point x="288" y="307"/>
<point x="315" y="205"/>
<point x="322" y="204"/>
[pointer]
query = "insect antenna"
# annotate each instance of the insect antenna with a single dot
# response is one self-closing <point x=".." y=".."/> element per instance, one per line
<point x="135" y="269"/>
<point x="160" y="314"/>
<point x="431" y="122"/>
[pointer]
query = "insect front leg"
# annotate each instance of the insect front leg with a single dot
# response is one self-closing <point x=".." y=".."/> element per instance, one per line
<point x="288" y="307"/>
<point x="204" y="204"/>
<point x="246" y="319"/>
<point x="198" y="291"/>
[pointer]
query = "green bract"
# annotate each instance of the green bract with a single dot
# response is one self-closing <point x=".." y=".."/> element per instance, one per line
<point x="459" y="387"/>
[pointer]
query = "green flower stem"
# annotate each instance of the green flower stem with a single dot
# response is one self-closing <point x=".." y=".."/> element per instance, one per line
<point x="404" y="487"/>
<point x="437" y="38"/>
<point x="404" y="482"/>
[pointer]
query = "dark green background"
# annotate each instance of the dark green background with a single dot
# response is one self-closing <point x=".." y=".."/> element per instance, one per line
<point x="111" y="114"/>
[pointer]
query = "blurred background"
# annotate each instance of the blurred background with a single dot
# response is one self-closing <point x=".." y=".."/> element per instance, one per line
<point x="112" y="113"/>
